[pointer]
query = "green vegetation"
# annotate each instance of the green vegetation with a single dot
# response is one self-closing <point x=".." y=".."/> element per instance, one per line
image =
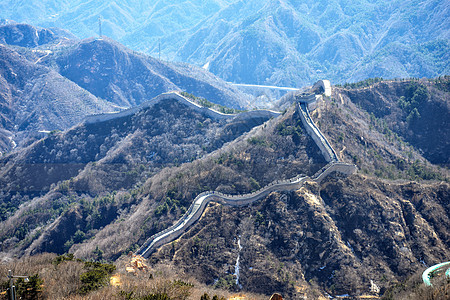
<point x="372" y="159"/>
<point x="169" y="204"/>
<point x="205" y="296"/>
<point x="65" y="277"/>
<point x="62" y="258"/>
<point x="443" y="83"/>
<point x="416" y="95"/>
<point x="228" y="282"/>
<point x="418" y="170"/>
<point x="54" y="132"/>
<point x="229" y="159"/>
<point x="259" y="141"/>
<point x="260" y="220"/>
<point x="285" y="130"/>
<point x="96" y="276"/>
<point x="29" y="290"/>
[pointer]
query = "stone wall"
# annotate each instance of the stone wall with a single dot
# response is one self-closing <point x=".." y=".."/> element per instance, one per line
<point x="175" y="95"/>
<point x="316" y="134"/>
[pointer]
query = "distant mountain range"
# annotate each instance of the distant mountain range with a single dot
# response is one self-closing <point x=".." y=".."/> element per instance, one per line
<point x="34" y="97"/>
<point x="277" y="42"/>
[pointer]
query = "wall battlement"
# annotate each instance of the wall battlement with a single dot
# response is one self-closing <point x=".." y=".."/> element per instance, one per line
<point x="263" y="113"/>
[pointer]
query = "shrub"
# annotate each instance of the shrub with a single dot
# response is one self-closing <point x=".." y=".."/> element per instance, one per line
<point x="96" y="276"/>
<point x="31" y="289"/>
<point x="205" y="296"/>
<point x="228" y="282"/>
<point x="257" y="141"/>
<point x="62" y="258"/>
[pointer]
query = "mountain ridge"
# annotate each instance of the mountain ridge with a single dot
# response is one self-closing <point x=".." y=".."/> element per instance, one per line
<point x="99" y="189"/>
<point x="307" y="41"/>
<point x="54" y="85"/>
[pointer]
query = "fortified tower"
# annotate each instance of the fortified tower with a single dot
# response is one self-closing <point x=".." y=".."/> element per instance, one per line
<point x="319" y="89"/>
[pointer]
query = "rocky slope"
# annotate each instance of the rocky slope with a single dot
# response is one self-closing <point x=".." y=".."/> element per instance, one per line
<point x="350" y="236"/>
<point x="293" y="43"/>
<point x="137" y="23"/>
<point x="35" y="98"/>
<point x="417" y="111"/>
<point x="25" y="35"/>
<point x="110" y="71"/>
<point x="354" y="235"/>
<point x="93" y="161"/>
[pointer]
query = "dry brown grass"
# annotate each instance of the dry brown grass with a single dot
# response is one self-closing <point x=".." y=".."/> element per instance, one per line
<point x="62" y="281"/>
<point x="414" y="289"/>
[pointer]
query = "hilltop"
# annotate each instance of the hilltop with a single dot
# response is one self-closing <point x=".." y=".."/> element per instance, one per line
<point x="110" y="71"/>
<point x="36" y="98"/>
<point x="415" y="110"/>
<point x="51" y="81"/>
<point x="291" y="43"/>
<point x="352" y="235"/>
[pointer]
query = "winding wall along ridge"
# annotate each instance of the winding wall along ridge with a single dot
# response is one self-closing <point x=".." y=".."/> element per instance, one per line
<point x="202" y="200"/>
<point x="184" y="100"/>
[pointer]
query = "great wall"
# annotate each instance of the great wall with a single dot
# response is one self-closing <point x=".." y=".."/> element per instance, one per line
<point x="305" y="102"/>
<point x="175" y="95"/>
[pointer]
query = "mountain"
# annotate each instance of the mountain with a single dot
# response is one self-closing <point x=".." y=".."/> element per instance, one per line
<point x="25" y="35"/>
<point x="113" y="154"/>
<point x="272" y="42"/>
<point x="416" y="111"/>
<point x="136" y="23"/>
<point x="51" y="81"/>
<point x="290" y="43"/>
<point x="110" y="71"/>
<point x="354" y="235"/>
<point x="350" y="236"/>
<point x="108" y="184"/>
<point x="36" y="98"/>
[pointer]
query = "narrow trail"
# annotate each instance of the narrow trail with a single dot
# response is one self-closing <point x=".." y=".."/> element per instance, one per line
<point x="48" y="52"/>
<point x="342" y="151"/>
<point x="199" y="204"/>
